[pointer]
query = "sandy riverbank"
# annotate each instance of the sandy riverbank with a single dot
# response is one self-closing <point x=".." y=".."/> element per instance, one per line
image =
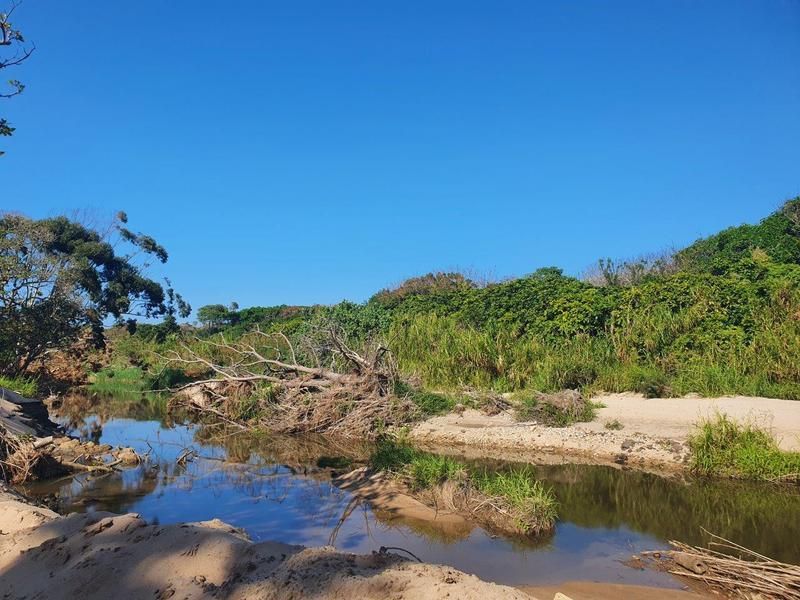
<point x="653" y="435"/>
<point x="103" y="555"/>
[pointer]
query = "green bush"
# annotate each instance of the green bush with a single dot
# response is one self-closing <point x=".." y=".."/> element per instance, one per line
<point x="778" y="236"/>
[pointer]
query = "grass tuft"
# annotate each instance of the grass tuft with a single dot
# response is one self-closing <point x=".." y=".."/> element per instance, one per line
<point x="513" y="501"/>
<point x="722" y="447"/>
<point x="531" y="502"/>
<point x="22" y="385"/>
<point x="428" y="470"/>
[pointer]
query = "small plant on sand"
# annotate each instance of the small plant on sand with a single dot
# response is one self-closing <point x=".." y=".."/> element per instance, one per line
<point x="428" y="403"/>
<point x="614" y="425"/>
<point x="556" y="410"/>
<point x="723" y="447"/>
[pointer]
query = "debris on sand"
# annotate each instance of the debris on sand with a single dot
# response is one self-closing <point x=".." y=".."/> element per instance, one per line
<point x="732" y="569"/>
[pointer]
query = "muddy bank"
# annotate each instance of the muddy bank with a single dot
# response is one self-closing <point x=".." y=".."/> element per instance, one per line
<point x="102" y="555"/>
<point x="652" y="432"/>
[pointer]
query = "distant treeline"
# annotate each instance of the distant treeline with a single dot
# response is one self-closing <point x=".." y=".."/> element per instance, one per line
<point x="720" y="316"/>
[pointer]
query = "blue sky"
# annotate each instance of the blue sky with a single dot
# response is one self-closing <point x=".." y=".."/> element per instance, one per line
<point x="306" y="152"/>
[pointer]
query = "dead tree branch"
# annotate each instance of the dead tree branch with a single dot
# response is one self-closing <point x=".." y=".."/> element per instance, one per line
<point x="353" y="397"/>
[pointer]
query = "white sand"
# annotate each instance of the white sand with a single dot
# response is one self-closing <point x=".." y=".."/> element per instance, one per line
<point x="653" y="435"/>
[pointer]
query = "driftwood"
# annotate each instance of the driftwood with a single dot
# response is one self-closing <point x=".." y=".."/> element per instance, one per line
<point x="733" y="569"/>
<point x="352" y="397"/>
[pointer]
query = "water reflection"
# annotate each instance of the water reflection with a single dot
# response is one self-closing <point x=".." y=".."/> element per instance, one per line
<point x="763" y="517"/>
<point x="275" y="488"/>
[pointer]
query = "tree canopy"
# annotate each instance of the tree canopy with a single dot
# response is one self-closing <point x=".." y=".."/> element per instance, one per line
<point x="60" y="277"/>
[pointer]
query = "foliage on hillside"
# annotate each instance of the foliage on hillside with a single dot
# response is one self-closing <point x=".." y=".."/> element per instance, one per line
<point x="720" y="316"/>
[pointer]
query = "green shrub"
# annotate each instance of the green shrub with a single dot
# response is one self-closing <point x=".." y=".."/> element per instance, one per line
<point x="777" y="236"/>
<point x="723" y="447"/>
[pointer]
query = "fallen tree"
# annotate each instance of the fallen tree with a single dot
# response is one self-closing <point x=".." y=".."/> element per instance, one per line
<point x="33" y="447"/>
<point x="258" y="381"/>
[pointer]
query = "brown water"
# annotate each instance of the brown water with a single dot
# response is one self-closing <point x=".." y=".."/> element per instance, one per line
<point x="278" y="488"/>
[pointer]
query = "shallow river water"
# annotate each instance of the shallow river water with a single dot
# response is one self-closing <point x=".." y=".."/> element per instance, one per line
<point x="277" y="489"/>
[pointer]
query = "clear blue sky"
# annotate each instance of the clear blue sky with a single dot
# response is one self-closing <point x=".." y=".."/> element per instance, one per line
<point x="304" y="152"/>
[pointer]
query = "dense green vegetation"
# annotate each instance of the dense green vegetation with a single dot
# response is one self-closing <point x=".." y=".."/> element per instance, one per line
<point x="725" y="448"/>
<point x="721" y="316"/>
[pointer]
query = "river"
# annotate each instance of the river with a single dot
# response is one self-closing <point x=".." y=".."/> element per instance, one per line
<point x="280" y="488"/>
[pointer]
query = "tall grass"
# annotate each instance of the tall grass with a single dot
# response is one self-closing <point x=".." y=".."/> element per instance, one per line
<point x="22" y="385"/>
<point x="444" y="353"/>
<point x="654" y="357"/>
<point x="723" y="447"/>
